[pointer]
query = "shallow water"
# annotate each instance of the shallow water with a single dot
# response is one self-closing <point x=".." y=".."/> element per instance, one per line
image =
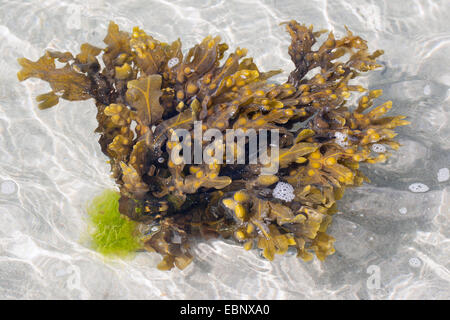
<point x="392" y="243"/>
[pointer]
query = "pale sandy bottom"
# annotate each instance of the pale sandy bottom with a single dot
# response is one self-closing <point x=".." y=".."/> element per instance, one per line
<point x="51" y="163"/>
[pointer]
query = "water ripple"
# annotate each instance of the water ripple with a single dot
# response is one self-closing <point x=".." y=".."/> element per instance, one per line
<point x="51" y="163"/>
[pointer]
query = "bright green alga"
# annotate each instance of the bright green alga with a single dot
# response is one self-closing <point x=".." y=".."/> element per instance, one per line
<point x="111" y="232"/>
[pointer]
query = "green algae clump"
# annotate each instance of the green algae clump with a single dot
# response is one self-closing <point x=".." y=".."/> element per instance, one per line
<point x="112" y="234"/>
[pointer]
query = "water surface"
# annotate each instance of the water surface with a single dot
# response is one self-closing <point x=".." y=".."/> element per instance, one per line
<point x="392" y="243"/>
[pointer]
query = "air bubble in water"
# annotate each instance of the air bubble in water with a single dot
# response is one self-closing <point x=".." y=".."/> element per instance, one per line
<point x="415" y="262"/>
<point x="418" y="187"/>
<point x="379" y="148"/>
<point x="173" y="62"/>
<point x="284" y="191"/>
<point x="403" y="210"/>
<point x="341" y="139"/>
<point x="443" y="174"/>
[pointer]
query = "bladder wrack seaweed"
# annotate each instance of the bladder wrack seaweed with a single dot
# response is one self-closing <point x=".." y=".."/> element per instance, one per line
<point x="147" y="90"/>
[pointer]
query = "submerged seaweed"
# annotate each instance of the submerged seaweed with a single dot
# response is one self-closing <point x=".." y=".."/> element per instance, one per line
<point x="145" y="89"/>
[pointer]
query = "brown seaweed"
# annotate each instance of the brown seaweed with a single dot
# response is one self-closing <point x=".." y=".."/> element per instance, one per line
<point x="147" y="89"/>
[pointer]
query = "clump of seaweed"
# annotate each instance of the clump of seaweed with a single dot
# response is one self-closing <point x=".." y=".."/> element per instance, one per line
<point x="145" y="89"/>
